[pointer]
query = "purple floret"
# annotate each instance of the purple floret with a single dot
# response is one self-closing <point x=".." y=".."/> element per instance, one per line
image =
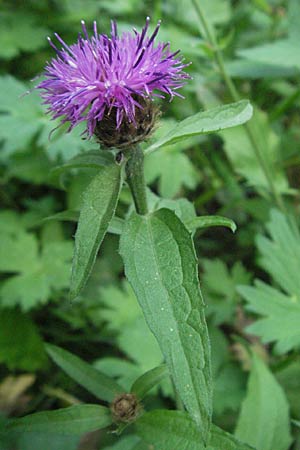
<point x="89" y="78"/>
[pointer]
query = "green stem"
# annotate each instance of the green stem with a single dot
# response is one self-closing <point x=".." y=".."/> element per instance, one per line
<point x="136" y="179"/>
<point x="236" y="97"/>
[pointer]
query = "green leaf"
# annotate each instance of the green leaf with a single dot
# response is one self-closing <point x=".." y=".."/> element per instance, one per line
<point x="220" y="439"/>
<point x="244" y="68"/>
<point x="148" y="380"/>
<point x="280" y="254"/>
<point x="124" y="318"/>
<point x="21" y="117"/>
<point x="159" y="165"/>
<point x="280" y="311"/>
<point x="37" y="274"/>
<point x="281" y="316"/>
<point x="93" y="159"/>
<point x="284" y="52"/>
<point x="210" y="221"/>
<point x="125" y="443"/>
<point x="28" y="441"/>
<point x="20" y="31"/>
<point x="115" y="226"/>
<point x="160" y="263"/>
<point x="21" y="346"/>
<point x="99" y="204"/>
<point x="225" y="116"/>
<point x="240" y="152"/>
<point x="183" y="208"/>
<point x="221" y="297"/>
<point x="93" y="380"/>
<point x="264" y="418"/>
<point x="75" y="420"/>
<point x="170" y="430"/>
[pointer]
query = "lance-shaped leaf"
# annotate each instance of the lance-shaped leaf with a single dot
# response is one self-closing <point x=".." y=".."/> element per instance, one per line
<point x="216" y="119"/>
<point x="210" y="221"/>
<point x="148" y="380"/>
<point x="99" y="204"/>
<point x="75" y="420"/>
<point x="93" y="380"/>
<point x="170" y="430"/>
<point x="161" y="265"/>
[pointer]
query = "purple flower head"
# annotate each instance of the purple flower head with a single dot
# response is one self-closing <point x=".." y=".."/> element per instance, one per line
<point x="98" y="74"/>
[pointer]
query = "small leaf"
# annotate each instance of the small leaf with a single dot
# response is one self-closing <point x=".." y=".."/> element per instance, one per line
<point x="99" y="384"/>
<point x="148" y="380"/>
<point x="225" y="116"/>
<point x="264" y="418"/>
<point x="99" y="204"/>
<point x="93" y="159"/>
<point x="210" y="221"/>
<point x="71" y="215"/>
<point x="169" y="430"/>
<point x="161" y="265"/>
<point x="75" y="420"/>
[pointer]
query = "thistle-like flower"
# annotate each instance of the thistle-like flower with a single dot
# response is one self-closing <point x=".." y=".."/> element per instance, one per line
<point x="110" y="82"/>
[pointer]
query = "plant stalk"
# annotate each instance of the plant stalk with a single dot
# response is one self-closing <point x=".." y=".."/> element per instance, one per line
<point x="211" y="38"/>
<point x="136" y="179"/>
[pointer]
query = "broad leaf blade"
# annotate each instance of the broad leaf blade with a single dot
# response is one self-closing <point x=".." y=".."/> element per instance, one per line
<point x="93" y="380"/>
<point x="161" y="265"/>
<point x="75" y="420"/>
<point x="225" y="116"/>
<point x="264" y="418"/>
<point x="99" y="204"/>
<point x="210" y="221"/>
<point x="169" y="430"/>
<point x="148" y="380"/>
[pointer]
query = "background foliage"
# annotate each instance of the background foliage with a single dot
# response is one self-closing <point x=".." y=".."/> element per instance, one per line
<point x="250" y="279"/>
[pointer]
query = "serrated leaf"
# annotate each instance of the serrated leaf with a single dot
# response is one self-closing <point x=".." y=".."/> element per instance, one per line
<point x="21" y="118"/>
<point x="75" y="420"/>
<point x="37" y="274"/>
<point x="280" y="310"/>
<point x="161" y="265"/>
<point x="264" y="418"/>
<point x="148" y="380"/>
<point x="280" y="316"/>
<point x="221" y="297"/>
<point x="280" y="254"/>
<point x="99" y="204"/>
<point x="225" y="116"/>
<point x="210" y="221"/>
<point x="99" y="384"/>
<point x="172" y="430"/>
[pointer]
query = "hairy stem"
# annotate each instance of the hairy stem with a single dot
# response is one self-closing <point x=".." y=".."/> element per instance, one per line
<point x="136" y="179"/>
<point x="211" y="38"/>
